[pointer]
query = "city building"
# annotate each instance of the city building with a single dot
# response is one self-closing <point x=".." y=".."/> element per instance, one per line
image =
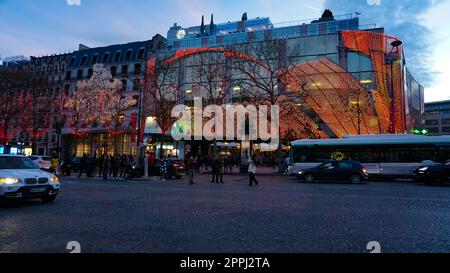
<point x="437" y="117"/>
<point x="34" y="85"/>
<point x="342" y="78"/>
<point x="356" y="77"/>
<point x="125" y="62"/>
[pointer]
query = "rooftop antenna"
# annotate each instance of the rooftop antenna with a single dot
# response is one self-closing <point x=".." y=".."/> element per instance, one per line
<point x="358" y="13"/>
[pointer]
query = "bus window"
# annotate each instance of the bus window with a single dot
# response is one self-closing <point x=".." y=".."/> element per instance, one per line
<point x="300" y="155"/>
<point x="422" y="153"/>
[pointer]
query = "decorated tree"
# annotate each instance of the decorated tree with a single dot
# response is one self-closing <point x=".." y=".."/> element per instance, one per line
<point x="98" y="100"/>
<point x="161" y="94"/>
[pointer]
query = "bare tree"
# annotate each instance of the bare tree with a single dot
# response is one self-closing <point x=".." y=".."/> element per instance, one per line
<point x="162" y="95"/>
<point x="37" y="111"/>
<point x="211" y="78"/>
<point x="263" y="73"/>
<point x="10" y="107"/>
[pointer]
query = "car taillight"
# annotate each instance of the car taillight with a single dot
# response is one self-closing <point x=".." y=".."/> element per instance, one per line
<point x="365" y="170"/>
<point x="43" y="162"/>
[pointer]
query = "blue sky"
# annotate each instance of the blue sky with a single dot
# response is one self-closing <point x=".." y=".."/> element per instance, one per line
<point x="38" y="27"/>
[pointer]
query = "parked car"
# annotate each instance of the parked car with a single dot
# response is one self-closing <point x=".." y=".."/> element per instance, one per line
<point x="335" y="171"/>
<point x="21" y="178"/>
<point x="176" y="170"/>
<point x="44" y="162"/>
<point x="439" y="173"/>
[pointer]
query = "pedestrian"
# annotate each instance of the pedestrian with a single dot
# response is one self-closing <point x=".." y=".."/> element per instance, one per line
<point x="67" y="165"/>
<point x="191" y="166"/>
<point x="54" y="164"/>
<point x="101" y="161"/>
<point x="163" y="169"/>
<point x="252" y="172"/>
<point x="122" y="162"/>
<point x="219" y="170"/>
<point x="83" y="165"/>
<point x="214" y="169"/>
<point x="106" y="166"/>
<point x="115" y="161"/>
<point x="151" y="165"/>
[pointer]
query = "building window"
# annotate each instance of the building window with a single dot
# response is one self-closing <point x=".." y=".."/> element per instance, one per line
<point x="432" y="122"/>
<point x="117" y="56"/>
<point x="94" y="59"/>
<point x="446" y="121"/>
<point x="434" y="130"/>
<point x="72" y="61"/>
<point x="68" y="75"/>
<point x="135" y="85"/>
<point x="446" y="130"/>
<point x="105" y="58"/>
<point x="90" y="72"/>
<point x="113" y="71"/>
<point x="83" y="61"/>
<point x="124" y="69"/>
<point x="140" y="54"/>
<point x="80" y="74"/>
<point x="128" y="55"/>
<point x="124" y="85"/>
<point x="137" y="68"/>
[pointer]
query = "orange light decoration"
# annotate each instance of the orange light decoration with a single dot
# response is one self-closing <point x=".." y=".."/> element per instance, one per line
<point x="328" y="95"/>
<point x="377" y="46"/>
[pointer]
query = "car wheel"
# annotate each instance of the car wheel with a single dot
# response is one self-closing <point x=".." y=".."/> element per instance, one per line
<point x="355" y="179"/>
<point x="309" y="178"/>
<point x="49" y="199"/>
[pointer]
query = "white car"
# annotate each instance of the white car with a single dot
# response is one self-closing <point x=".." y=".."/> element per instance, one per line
<point x="44" y="162"/>
<point x="21" y="178"/>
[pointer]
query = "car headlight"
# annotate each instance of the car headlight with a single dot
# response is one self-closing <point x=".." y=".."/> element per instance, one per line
<point x="300" y="172"/>
<point x="54" y="179"/>
<point x="9" y="181"/>
<point x="423" y="169"/>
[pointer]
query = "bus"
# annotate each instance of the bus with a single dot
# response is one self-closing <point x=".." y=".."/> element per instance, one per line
<point x="393" y="156"/>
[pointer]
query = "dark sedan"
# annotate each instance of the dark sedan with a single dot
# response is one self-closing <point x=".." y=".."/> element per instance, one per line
<point x="439" y="174"/>
<point x="335" y="171"/>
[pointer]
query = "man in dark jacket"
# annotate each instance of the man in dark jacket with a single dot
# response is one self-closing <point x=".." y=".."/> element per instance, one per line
<point x="83" y="165"/>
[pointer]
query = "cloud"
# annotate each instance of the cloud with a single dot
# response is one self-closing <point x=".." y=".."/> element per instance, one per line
<point x="73" y="2"/>
<point x="401" y="19"/>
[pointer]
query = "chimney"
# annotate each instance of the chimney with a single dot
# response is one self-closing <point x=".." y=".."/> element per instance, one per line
<point x="202" y="27"/>
<point x="212" y="26"/>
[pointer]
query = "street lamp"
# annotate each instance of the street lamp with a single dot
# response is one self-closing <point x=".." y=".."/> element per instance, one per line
<point x="390" y="60"/>
<point x="138" y="144"/>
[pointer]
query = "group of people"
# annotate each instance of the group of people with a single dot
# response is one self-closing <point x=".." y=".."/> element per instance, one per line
<point x="106" y="166"/>
<point x="120" y="166"/>
<point x="218" y="169"/>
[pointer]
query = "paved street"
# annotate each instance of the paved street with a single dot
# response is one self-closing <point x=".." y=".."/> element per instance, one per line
<point x="278" y="216"/>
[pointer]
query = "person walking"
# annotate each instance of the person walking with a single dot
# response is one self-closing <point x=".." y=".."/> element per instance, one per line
<point x="151" y="166"/>
<point x="252" y="172"/>
<point x="106" y="166"/>
<point x="101" y="161"/>
<point x="54" y="164"/>
<point x="219" y="170"/>
<point x="163" y="169"/>
<point x="191" y="165"/>
<point x="214" y="169"/>
<point x="83" y="163"/>
<point x="67" y="165"/>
